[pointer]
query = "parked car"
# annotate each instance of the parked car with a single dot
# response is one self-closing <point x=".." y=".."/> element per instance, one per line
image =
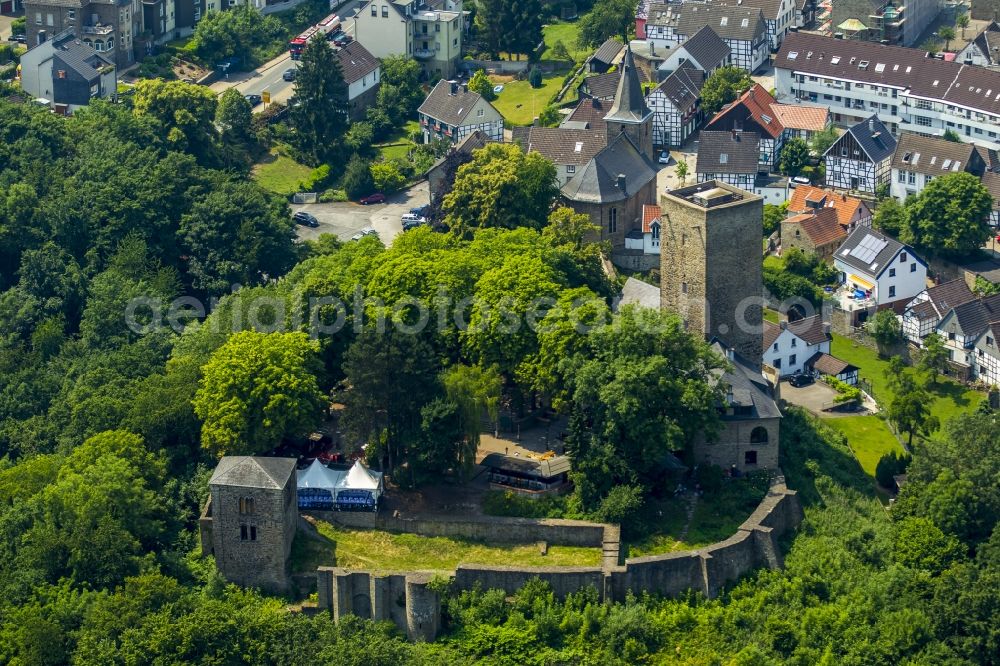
<point x="800" y="379"/>
<point x="376" y="198"/>
<point x="20" y="39"/>
<point x="421" y="210"/>
<point x="414" y="224"/>
<point x="367" y="231"/>
<point x="342" y="40"/>
<point x="289" y="74"/>
<point x="664" y="157"/>
<point x="800" y="180"/>
<point x="254" y="99"/>
<point x="411" y="217"/>
<point x="305" y="219"/>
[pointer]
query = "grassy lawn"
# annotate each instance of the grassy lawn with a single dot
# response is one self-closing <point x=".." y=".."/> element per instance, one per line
<point x="773" y="262"/>
<point x="399" y="145"/>
<point x="378" y="550"/>
<point x="869" y="438"/>
<point x="566" y="33"/>
<point x="772" y="316"/>
<point x="280" y="174"/>
<point x="519" y="103"/>
<point x="950" y="397"/>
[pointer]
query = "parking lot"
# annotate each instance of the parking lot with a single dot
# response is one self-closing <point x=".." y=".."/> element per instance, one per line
<point x="347" y="218"/>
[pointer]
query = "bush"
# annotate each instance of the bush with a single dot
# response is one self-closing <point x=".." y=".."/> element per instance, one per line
<point x="620" y="504"/>
<point x="890" y="465"/>
<point x="331" y="195"/>
<point x="500" y="503"/>
<point x="19" y="26"/>
<point x="387" y="176"/>
<point x="535" y="77"/>
<point x="845" y="392"/>
<point x="318" y="177"/>
<point x="357" y="181"/>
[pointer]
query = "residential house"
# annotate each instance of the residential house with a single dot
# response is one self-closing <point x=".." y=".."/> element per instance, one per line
<point x="750" y="420"/>
<point x="430" y="31"/>
<point x="920" y="159"/>
<point x="362" y="74"/>
<point x="646" y="238"/>
<point x="110" y="27"/>
<point x="923" y="314"/>
<point x="878" y="271"/>
<point x="567" y="149"/>
<point x="851" y="212"/>
<point x="587" y="114"/>
<point x="451" y="112"/>
<point x="751" y="112"/>
<point x="67" y="73"/>
<point x="730" y="157"/>
<point x="826" y="364"/>
<point x="779" y="15"/>
<point x="600" y="86"/>
<point x="743" y="29"/>
<point x="907" y="89"/>
<point x="704" y="50"/>
<point x="441" y="175"/>
<point x="799" y="121"/>
<point x="676" y="106"/>
<point x="605" y="56"/>
<point x="612" y="188"/>
<point x="805" y="14"/>
<point x="963" y="327"/>
<point x="818" y="232"/>
<point x="991" y="181"/>
<point x="987" y="355"/>
<point x="890" y="21"/>
<point x="788" y="345"/>
<point x="984" y="49"/>
<point x="860" y="159"/>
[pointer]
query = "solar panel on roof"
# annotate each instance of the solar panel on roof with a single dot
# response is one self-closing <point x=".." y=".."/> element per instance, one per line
<point x="868" y="248"/>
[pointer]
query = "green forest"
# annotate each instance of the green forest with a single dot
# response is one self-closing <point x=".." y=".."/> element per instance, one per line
<point x="120" y="228"/>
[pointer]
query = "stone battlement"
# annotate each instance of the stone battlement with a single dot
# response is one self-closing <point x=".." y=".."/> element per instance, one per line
<point x="407" y="599"/>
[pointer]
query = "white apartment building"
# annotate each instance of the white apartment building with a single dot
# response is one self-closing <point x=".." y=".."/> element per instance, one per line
<point x="428" y="31"/>
<point x="907" y="89"/>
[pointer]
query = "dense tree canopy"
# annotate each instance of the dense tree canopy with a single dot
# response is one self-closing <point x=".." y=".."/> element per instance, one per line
<point x="723" y="86"/>
<point x="319" y="116"/>
<point x="609" y="19"/>
<point x="950" y="216"/>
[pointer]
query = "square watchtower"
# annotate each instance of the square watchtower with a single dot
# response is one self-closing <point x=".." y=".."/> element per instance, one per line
<point x="711" y="265"/>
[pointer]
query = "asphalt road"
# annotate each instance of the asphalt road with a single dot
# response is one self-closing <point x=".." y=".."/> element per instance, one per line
<point x="346" y="218"/>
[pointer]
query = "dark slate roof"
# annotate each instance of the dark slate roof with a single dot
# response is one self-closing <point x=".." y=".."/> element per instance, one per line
<point x="446" y="107"/>
<point x="852" y="251"/>
<point x="356" y="62"/>
<point x="975" y="316"/>
<point x="826" y="364"/>
<point x="728" y="21"/>
<point x="771" y="8"/>
<point x="601" y="86"/>
<point x="991" y="181"/>
<point x="71" y="53"/>
<point x="706" y="48"/>
<point x="561" y="145"/>
<point x="747" y="385"/>
<point x="874" y="138"/>
<point x="893" y="66"/>
<point x="590" y="111"/>
<point x="683" y="87"/>
<point x="253" y="472"/>
<point x="629" y="105"/>
<point x="949" y="295"/>
<point x="728" y="152"/>
<point x="472" y="141"/>
<point x="608" y="51"/>
<point x="935" y="157"/>
<point x="810" y="330"/>
<point x="545" y="469"/>
<point x="637" y="292"/>
<point x="597" y="181"/>
<point x="988" y="40"/>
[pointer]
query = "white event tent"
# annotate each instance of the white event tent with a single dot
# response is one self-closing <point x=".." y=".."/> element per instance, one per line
<point x="320" y="487"/>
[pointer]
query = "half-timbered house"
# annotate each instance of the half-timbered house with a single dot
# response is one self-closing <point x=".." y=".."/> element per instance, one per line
<point x="704" y="50"/>
<point x="987" y="355"/>
<point x="742" y="28"/>
<point x="451" y="112"/>
<point x="861" y="158"/>
<point x="729" y="157"/>
<point x="676" y="106"/>
<point x="923" y="314"/>
<point x="751" y="112"/>
<point x="963" y="326"/>
<point x="920" y="159"/>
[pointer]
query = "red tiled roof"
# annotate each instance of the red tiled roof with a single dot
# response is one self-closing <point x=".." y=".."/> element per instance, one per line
<point x="809" y="118"/>
<point x="650" y="212"/>
<point x="757" y="101"/>
<point x="822" y="227"/>
<point x="845" y="206"/>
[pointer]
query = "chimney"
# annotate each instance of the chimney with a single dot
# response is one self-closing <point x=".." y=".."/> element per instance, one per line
<point x="621" y="183"/>
<point x="736" y="137"/>
<point x="535" y="122"/>
<point x="465" y="87"/>
<point x="783" y="324"/>
<point x="731" y="355"/>
<point x="826" y="328"/>
<point x="871" y="125"/>
<point x="453" y="87"/>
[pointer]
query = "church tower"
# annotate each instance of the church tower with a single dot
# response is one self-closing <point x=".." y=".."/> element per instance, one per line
<point x="629" y="113"/>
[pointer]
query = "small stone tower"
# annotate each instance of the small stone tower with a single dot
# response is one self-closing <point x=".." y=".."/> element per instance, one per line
<point x="711" y="272"/>
<point x="250" y="521"/>
<point x="629" y="113"/>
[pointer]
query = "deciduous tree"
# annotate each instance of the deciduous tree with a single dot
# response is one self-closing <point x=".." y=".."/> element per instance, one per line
<point x="257" y="389"/>
<point x="609" y="19"/>
<point x="723" y="86"/>
<point x="794" y="156"/>
<point x="950" y="216"/>
<point x="234" y="115"/>
<point x="935" y="357"/>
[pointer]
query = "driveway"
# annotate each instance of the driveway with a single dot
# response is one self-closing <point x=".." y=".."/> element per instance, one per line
<point x="765" y="76"/>
<point x="344" y="219"/>
<point x="5" y="22"/>
<point x="818" y="396"/>
<point x="667" y="178"/>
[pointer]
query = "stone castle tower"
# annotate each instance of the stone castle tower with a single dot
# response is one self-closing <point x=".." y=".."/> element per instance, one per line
<point x="629" y="113"/>
<point x="710" y="263"/>
<point x="250" y="520"/>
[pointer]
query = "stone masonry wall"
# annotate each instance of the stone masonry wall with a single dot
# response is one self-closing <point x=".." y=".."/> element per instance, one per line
<point x="410" y="602"/>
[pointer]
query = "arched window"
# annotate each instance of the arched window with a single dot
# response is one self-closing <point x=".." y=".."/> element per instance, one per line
<point x="246" y="505"/>
<point x="758" y="435"/>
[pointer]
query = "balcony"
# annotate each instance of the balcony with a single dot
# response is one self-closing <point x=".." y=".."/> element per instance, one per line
<point x="424" y="54"/>
<point x="98" y="29"/>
